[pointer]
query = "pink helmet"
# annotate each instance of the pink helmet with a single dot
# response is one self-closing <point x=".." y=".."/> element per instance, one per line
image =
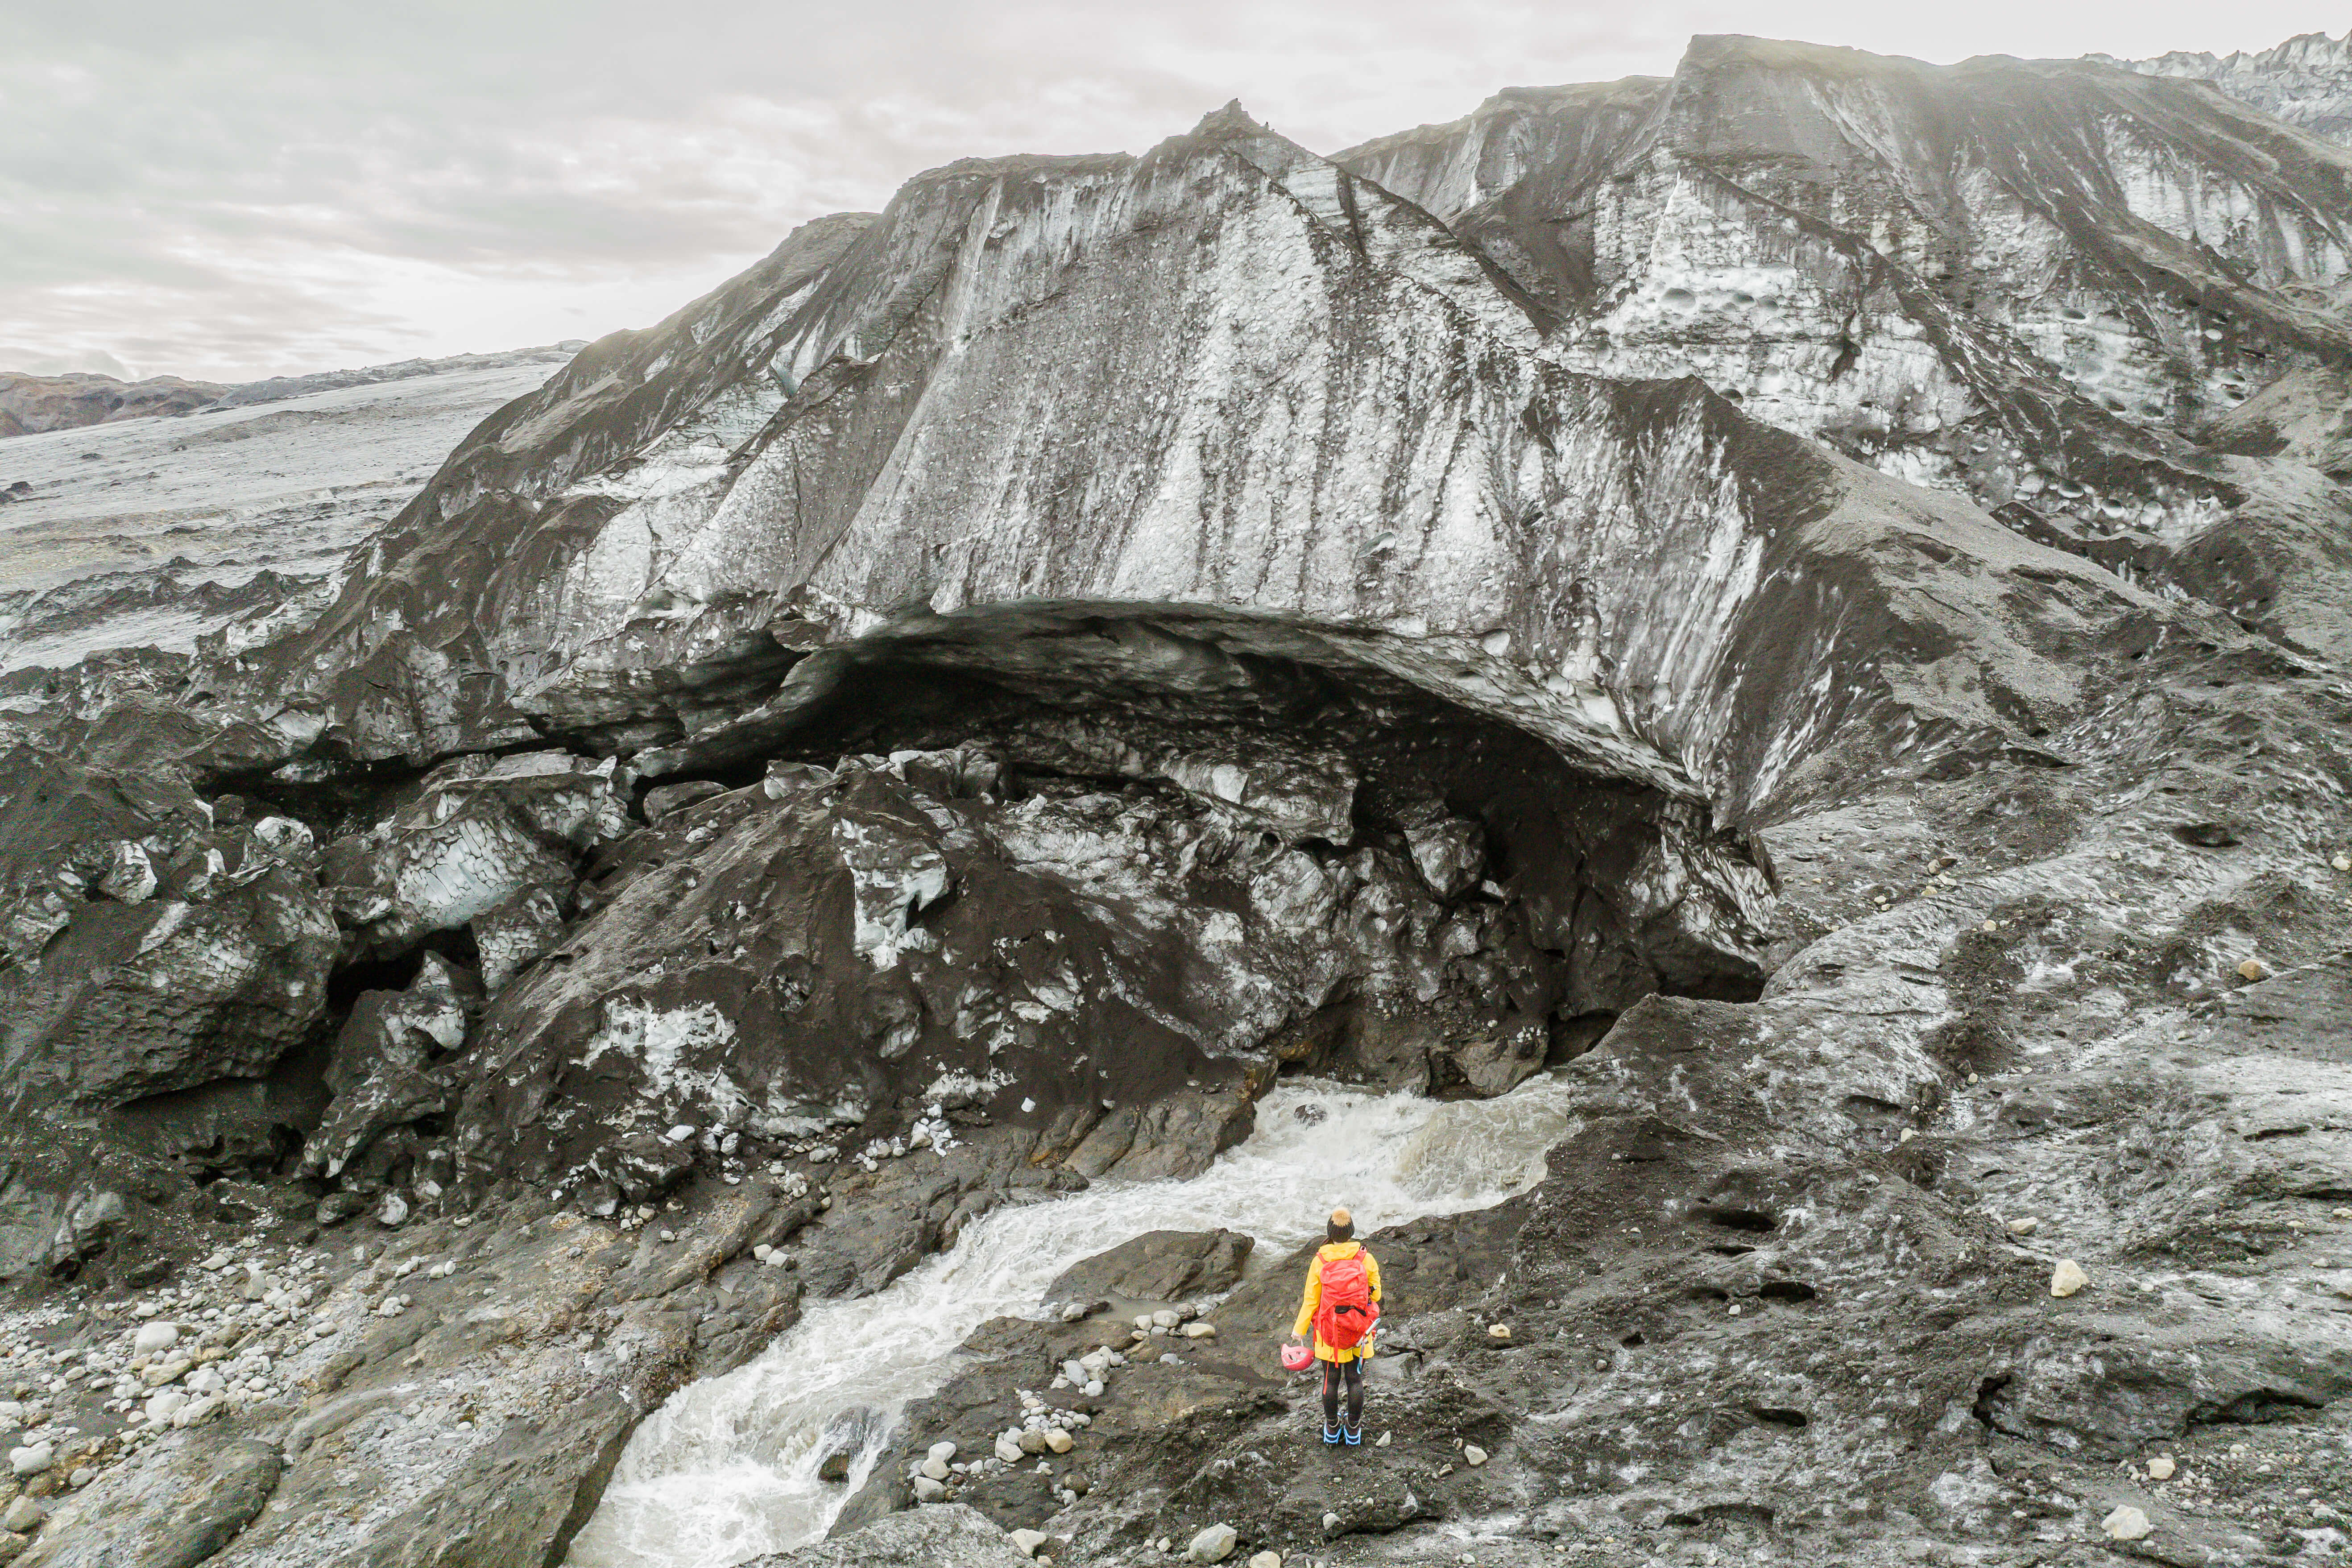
<point x="1297" y="1358"/>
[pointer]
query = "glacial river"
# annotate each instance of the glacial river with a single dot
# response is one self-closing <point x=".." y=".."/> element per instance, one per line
<point x="727" y="1468"/>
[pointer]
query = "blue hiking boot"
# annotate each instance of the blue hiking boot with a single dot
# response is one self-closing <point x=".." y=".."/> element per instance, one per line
<point x="1331" y="1434"/>
<point x="1355" y="1436"/>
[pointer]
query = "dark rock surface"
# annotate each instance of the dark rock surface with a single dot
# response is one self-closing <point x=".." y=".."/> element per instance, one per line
<point x="949" y="1537"/>
<point x="153" y="944"/>
<point x="1159" y="1266"/>
<point x="1806" y="598"/>
<point x="32" y="403"/>
<point x="193" y="1496"/>
<point x="160" y="945"/>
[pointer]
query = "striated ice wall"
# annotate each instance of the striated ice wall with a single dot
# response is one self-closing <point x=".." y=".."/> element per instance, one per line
<point x="2021" y="281"/>
<point x="1228" y="389"/>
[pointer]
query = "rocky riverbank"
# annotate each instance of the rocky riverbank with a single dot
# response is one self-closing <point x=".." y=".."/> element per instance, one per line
<point x="1798" y="1285"/>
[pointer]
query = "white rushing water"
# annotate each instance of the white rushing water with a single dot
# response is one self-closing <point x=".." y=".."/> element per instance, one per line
<point x="727" y="1468"/>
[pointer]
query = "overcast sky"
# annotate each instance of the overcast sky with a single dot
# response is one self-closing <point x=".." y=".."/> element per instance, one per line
<point x="227" y="189"/>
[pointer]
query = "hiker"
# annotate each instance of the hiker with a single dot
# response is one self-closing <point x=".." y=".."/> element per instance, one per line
<point x="1342" y="1304"/>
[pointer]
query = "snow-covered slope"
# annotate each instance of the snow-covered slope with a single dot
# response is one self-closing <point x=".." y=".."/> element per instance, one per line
<point x="152" y="532"/>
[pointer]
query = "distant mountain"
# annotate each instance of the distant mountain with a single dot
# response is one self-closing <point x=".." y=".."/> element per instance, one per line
<point x="32" y="403"/>
<point x="2305" y="82"/>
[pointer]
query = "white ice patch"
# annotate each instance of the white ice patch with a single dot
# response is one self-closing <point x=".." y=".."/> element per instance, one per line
<point x="476" y="865"/>
<point x="892" y="879"/>
<point x="666" y="1046"/>
<point x="964" y="1085"/>
<point x="182" y="504"/>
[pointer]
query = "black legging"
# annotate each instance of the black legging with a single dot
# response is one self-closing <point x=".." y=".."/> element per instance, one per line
<point x="1334" y="1371"/>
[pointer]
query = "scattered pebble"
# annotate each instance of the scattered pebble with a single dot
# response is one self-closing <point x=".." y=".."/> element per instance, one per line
<point x="2127" y="1524"/>
<point x="2067" y="1277"/>
<point x="2159" y="1468"/>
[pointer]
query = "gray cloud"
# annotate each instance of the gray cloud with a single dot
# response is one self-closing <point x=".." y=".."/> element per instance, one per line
<point x="243" y="188"/>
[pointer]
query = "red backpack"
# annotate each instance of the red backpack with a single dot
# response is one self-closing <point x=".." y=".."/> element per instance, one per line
<point x="1348" y="1310"/>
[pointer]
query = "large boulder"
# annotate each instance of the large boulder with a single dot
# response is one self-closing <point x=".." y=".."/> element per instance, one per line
<point x="378" y="1069"/>
<point x="177" y="1506"/>
<point x="490" y="843"/>
<point x="148" y="940"/>
<point x="948" y="1535"/>
<point x="1158" y="1266"/>
<point x="160" y="955"/>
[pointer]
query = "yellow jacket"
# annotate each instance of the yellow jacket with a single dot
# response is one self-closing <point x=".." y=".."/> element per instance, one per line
<point x="1313" y="1298"/>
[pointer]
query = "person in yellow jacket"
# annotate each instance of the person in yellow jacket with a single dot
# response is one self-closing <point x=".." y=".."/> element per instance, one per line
<point x="1341" y="1363"/>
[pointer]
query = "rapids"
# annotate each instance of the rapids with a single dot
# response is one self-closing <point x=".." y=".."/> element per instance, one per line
<point x="726" y="1469"/>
